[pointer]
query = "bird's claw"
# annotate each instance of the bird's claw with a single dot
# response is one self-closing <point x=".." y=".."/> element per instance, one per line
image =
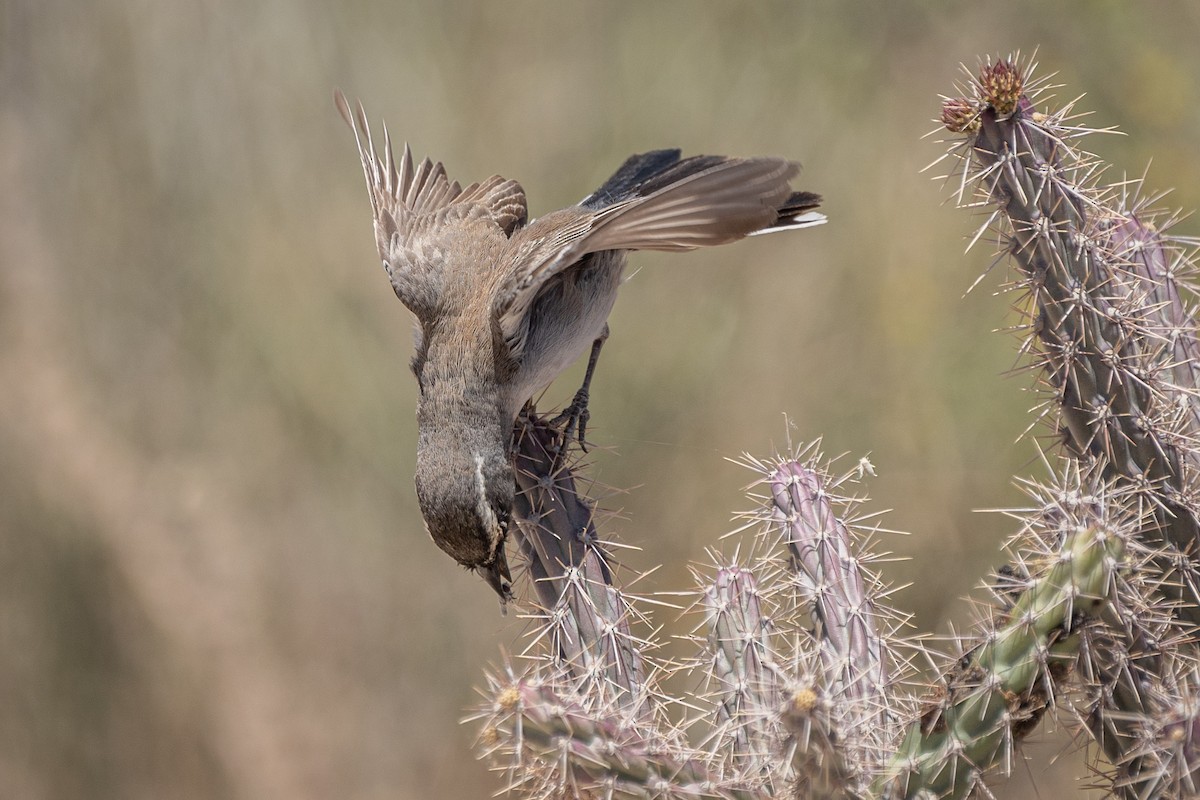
<point x="574" y="419"/>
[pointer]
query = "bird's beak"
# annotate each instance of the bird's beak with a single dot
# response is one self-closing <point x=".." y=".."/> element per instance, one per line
<point x="498" y="577"/>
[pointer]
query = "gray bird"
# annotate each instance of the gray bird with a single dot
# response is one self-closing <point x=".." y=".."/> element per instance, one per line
<point x="503" y="305"/>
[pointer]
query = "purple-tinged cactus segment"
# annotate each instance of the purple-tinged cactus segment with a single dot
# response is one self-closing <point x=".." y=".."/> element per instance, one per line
<point x="1153" y="270"/>
<point x="587" y="617"/>
<point x="1141" y="704"/>
<point x="1112" y="338"/>
<point x="597" y="756"/>
<point x="1138" y="675"/>
<point x="558" y="520"/>
<point x="744" y="669"/>
<point x="738" y="628"/>
<point x="828" y="571"/>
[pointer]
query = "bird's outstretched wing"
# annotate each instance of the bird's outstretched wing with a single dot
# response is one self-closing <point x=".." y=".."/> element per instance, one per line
<point x="416" y="209"/>
<point x="655" y="201"/>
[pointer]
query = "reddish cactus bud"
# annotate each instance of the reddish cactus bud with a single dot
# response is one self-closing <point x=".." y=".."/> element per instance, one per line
<point x="1001" y="85"/>
<point x="960" y="115"/>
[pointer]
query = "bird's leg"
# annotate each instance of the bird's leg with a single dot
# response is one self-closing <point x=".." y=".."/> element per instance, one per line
<point x="577" y="414"/>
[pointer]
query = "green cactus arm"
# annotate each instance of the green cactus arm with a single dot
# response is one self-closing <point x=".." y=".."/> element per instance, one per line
<point x="948" y="750"/>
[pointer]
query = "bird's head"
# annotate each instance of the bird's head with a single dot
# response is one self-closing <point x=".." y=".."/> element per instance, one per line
<point x="466" y="497"/>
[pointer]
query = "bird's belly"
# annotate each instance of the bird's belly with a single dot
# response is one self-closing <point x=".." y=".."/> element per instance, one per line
<point x="566" y="318"/>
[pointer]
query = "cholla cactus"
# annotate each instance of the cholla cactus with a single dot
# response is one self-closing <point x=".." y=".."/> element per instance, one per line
<point x="805" y="680"/>
<point x="785" y="711"/>
<point x="1108" y="327"/>
<point x="1114" y="342"/>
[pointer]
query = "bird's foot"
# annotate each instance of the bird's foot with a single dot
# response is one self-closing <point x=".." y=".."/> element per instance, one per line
<point x="574" y="419"/>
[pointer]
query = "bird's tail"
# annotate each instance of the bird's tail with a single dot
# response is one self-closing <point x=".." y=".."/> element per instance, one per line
<point x="656" y="201"/>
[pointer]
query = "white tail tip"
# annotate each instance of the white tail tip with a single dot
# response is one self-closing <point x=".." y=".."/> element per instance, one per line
<point x="806" y="220"/>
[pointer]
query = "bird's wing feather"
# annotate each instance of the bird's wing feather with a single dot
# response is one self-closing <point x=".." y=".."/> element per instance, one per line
<point x="697" y="202"/>
<point x="416" y="207"/>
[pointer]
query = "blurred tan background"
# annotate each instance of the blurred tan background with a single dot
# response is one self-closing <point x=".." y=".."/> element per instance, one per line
<point x="214" y="580"/>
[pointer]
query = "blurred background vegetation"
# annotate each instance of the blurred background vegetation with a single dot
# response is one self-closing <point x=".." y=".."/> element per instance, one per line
<point x="214" y="579"/>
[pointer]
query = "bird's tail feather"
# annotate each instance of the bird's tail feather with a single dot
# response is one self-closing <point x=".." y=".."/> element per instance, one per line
<point x="655" y="203"/>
